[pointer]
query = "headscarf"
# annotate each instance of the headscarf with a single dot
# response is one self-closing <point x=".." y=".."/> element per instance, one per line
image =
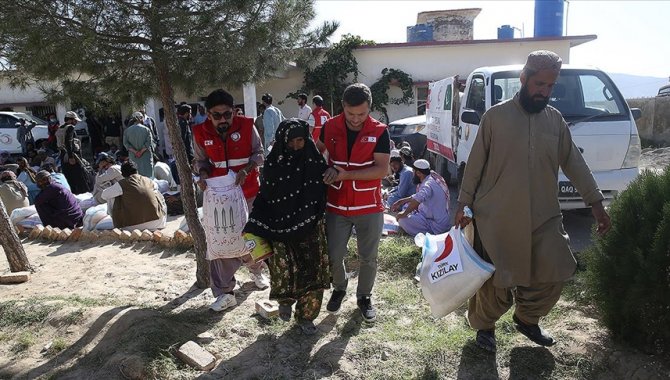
<point x="7" y="175"/>
<point x="292" y="196"/>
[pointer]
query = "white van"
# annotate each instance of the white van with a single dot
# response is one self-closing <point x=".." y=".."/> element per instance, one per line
<point x="8" y="130"/>
<point x="601" y="123"/>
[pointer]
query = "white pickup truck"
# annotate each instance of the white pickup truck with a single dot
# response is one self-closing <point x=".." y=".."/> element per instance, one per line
<point x="601" y="123"/>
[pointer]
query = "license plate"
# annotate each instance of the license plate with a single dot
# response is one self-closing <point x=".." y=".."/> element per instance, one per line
<point x="567" y="189"/>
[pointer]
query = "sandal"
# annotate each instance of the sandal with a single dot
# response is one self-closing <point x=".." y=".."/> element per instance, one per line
<point x="285" y="312"/>
<point x="307" y="327"/>
<point x="486" y="340"/>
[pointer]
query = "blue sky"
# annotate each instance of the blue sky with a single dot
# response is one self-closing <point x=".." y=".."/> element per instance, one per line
<point x="633" y="36"/>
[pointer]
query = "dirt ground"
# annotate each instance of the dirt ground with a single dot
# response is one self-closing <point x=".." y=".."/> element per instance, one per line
<point x="136" y="304"/>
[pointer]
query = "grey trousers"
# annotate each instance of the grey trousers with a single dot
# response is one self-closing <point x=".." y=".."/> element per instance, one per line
<point x="368" y="233"/>
<point x="222" y="273"/>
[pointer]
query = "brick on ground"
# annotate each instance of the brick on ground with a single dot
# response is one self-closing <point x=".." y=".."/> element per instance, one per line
<point x="136" y="235"/>
<point x="195" y="356"/>
<point x="36" y="232"/>
<point x="146" y="235"/>
<point x="14" y="277"/>
<point x="76" y="234"/>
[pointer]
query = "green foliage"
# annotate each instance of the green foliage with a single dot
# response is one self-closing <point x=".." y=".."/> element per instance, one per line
<point x="628" y="270"/>
<point x="380" y="96"/>
<point x="337" y="69"/>
<point x="24" y="341"/>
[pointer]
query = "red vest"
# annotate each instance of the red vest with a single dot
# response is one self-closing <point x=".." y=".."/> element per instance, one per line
<point x="357" y="197"/>
<point x="233" y="153"/>
<point x="320" y="117"/>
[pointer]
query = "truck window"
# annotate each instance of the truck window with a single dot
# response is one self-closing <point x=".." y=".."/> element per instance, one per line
<point x="477" y="95"/>
<point x="577" y="94"/>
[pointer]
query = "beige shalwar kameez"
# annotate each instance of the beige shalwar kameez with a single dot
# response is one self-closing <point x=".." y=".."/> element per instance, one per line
<point x="511" y="184"/>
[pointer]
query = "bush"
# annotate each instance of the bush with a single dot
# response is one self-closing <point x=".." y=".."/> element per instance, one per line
<point x="628" y="270"/>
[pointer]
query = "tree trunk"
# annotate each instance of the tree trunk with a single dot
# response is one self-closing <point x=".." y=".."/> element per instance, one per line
<point x="16" y="255"/>
<point x="185" y="175"/>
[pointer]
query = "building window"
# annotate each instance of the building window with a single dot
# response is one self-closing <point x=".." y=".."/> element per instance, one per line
<point x="421" y="99"/>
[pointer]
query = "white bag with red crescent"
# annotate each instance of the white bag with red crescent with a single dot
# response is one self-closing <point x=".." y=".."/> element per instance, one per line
<point x="451" y="271"/>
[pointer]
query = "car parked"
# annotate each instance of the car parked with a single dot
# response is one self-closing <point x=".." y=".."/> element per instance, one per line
<point x="409" y="129"/>
<point x="664" y="91"/>
<point x="8" y="130"/>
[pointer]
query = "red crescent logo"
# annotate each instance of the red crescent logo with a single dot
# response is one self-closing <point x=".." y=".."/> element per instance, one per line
<point x="448" y="247"/>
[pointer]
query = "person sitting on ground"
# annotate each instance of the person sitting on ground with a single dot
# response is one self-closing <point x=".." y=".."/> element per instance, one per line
<point x="13" y="193"/>
<point x="109" y="173"/>
<point x="290" y="215"/>
<point x="407" y="156"/>
<point x="55" y="176"/>
<point x="134" y="201"/>
<point x="162" y="171"/>
<point x="406" y="187"/>
<point x="56" y="205"/>
<point x="26" y="174"/>
<point x="428" y="210"/>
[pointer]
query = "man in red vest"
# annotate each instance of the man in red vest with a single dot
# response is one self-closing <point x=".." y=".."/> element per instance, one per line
<point x="317" y="118"/>
<point x="359" y="149"/>
<point x="226" y="142"/>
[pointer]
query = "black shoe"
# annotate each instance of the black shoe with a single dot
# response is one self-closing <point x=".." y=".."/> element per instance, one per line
<point x="335" y="301"/>
<point x="367" y="310"/>
<point x="486" y="340"/>
<point x="534" y="333"/>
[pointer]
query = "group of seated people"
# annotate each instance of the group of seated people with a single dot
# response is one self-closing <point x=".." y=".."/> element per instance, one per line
<point x="133" y="201"/>
<point x="417" y="195"/>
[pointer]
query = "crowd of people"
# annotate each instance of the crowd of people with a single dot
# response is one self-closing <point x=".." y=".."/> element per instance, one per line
<point x="305" y="185"/>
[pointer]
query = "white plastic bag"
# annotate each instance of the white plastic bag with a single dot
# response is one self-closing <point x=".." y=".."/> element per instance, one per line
<point x="19" y="214"/>
<point x="451" y="271"/>
<point x="31" y="221"/>
<point x="225" y="214"/>
<point x="94" y="215"/>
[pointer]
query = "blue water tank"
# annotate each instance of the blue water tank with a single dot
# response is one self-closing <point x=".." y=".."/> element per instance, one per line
<point x="548" y="18"/>
<point x="505" y="32"/>
<point x="420" y="33"/>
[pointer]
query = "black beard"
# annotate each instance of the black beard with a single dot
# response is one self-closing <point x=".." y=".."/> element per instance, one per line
<point x="416" y="180"/>
<point x="533" y="104"/>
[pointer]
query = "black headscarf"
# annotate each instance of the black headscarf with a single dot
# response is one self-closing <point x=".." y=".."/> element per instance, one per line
<point x="292" y="196"/>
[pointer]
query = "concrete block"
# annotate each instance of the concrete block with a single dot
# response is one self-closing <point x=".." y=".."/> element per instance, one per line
<point x="14" y="277"/>
<point x="36" y="232"/>
<point x="157" y="236"/>
<point x="166" y="241"/>
<point x="267" y="309"/>
<point x="146" y="235"/>
<point x="195" y="356"/>
<point x="126" y="236"/>
<point x="64" y="234"/>
<point x="55" y="234"/>
<point x="136" y="235"/>
<point x="117" y="234"/>
<point x="179" y="237"/>
<point x="46" y="234"/>
<point x="76" y="234"/>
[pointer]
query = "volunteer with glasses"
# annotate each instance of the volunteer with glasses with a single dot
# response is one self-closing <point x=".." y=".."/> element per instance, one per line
<point x="226" y="142"/>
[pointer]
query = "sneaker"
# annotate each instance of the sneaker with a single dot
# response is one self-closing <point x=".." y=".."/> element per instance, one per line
<point x="534" y="333"/>
<point x="367" y="310"/>
<point x="307" y="327"/>
<point x="260" y="280"/>
<point x="223" y="302"/>
<point x="335" y="301"/>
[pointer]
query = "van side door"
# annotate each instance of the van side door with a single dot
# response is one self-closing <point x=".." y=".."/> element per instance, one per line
<point x="475" y="100"/>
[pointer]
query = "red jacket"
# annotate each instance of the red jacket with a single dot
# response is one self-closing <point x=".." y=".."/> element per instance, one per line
<point x="233" y="153"/>
<point x="357" y="197"/>
<point x="320" y="117"/>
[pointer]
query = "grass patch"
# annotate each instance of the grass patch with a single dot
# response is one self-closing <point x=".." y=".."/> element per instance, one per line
<point x="399" y="255"/>
<point x="25" y="340"/>
<point x="74" y="317"/>
<point x="57" y="345"/>
<point x="163" y="367"/>
<point x="24" y="313"/>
